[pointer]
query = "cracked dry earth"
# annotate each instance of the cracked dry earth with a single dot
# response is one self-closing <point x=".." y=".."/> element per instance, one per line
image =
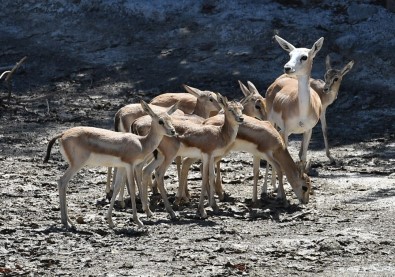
<point x="346" y="229"/>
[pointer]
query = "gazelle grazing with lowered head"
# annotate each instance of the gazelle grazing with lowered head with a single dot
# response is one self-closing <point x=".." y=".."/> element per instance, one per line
<point x="327" y="91"/>
<point x="292" y="105"/>
<point x="263" y="141"/>
<point x="90" y="146"/>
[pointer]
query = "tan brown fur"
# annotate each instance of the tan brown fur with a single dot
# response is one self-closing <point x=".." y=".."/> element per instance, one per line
<point x="90" y="146"/>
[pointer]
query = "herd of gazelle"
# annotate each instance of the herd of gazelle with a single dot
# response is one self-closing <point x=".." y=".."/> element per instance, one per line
<point x="202" y="125"/>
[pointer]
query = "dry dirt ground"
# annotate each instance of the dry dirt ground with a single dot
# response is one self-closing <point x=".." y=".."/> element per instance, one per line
<point x="346" y="229"/>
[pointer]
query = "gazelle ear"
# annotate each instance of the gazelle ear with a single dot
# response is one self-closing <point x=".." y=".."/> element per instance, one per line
<point x="284" y="44"/>
<point x="328" y="63"/>
<point x="194" y="91"/>
<point x="222" y="100"/>
<point x="246" y="99"/>
<point x="244" y="89"/>
<point x="302" y="167"/>
<point x="173" y="108"/>
<point x="316" y="47"/>
<point x="347" y="68"/>
<point x="147" y="108"/>
<point x="252" y="88"/>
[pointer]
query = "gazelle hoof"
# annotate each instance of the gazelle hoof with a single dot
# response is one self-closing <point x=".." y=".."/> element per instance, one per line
<point x="175" y="217"/>
<point x="110" y="223"/>
<point x="202" y="213"/>
<point x="215" y="209"/>
<point x="139" y="223"/>
<point x="109" y="195"/>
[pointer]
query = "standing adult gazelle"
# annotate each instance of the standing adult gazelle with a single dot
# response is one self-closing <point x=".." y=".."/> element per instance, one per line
<point x="291" y="104"/>
<point x="90" y="146"/>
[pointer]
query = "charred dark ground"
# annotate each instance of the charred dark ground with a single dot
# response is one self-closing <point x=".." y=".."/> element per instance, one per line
<point x="86" y="59"/>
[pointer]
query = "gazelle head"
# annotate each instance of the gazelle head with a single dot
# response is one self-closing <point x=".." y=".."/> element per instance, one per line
<point x="161" y="121"/>
<point x="301" y="59"/>
<point x="206" y="99"/>
<point x="233" y="110"/>
<point x="254" y="103"/>
<point x="303" y="189"/>
<point x="333" y="77"/>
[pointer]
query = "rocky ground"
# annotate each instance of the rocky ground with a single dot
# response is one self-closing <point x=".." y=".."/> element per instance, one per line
<point x="85" y="61"/>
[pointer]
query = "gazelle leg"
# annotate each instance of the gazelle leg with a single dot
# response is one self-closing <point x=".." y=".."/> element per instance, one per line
<point x="108" y="183"/>
<point x="219" y="190"/>
<point x="182" y="192"/>
<point x="147" y="172"/>
<point x="159" y="176"/>
<point x="118" y="182"/>
<point x="305" y="145"/>
<point x="256" y="163"/>
<point x="130" y="176"/>
<point x="205" y="184"/>
<point x="143" y="190"/>
<point x="325" y="134"/>
<point x="211" y="188"/>
<point x="62" y="186"/>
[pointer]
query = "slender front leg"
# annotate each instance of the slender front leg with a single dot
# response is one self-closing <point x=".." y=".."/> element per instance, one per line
<point x="130" y="176"/>
<point x="325" y="134"/>
<point x="305" y="145"/>
<point x="159" y="177"/>
<point x="143" y="190"/>
<point x="182" y="192"/>
<point x="117" y="183"/>
<point x="108" y="184"/>
<point x="147" y="172"/>
<point x="212" y="202"/>
<point x="256" y="163"/>
<point x="205" y="185"/>
<point x="218" y="180"/>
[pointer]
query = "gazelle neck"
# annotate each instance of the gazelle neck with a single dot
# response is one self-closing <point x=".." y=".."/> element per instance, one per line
<point x="229" y="128"/>
<point x="304" y="96"/>
<point x="200" y="111"/>
<point x="151" y="141"/>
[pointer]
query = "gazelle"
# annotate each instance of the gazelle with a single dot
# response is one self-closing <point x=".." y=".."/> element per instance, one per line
<point x="202" y="103"/>
<point x="197" y="141"/>
<point x="263" y="141"/>
<point x="196" y="102"/>
<point x="327" y="91"/>
<point x="292" y="105"/>
<point x="254" y="105"/>
<point x="90" y="146"/>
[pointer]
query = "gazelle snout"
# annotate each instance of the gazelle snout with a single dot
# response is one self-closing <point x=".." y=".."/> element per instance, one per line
<point x="172" y="132"/>
<point x="288" y="69"/>
<point x="326" y="89"/>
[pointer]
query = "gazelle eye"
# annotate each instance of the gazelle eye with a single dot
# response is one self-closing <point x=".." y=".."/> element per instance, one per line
<point x="304" y="188"/>
<point x="161" y="122"/>
<point x="303" y="58"/>
<point x="211" y="99"/>
<point x="257" y="107"/>
<point x="336" y="79"/>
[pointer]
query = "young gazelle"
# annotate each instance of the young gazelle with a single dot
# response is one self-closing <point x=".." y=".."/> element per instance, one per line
<point x="263" y="141"/>
<point x="196" y="102"/>
<point x="205" y="142"/>
<point x="90" y="146"/>
<point x="292" y="105"/>
<point x="328" y="90"/>
<point x="199" y="102"/>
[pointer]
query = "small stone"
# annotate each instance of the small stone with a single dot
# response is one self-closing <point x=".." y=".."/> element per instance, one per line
<point x="80" y="220"/>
